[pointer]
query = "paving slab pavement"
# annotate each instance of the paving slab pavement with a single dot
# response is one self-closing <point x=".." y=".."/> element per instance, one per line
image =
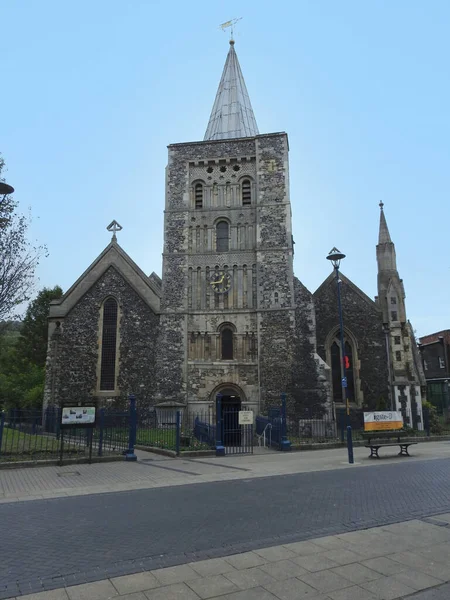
<point x="154" y="471"/>
<point x="298" y="571"/>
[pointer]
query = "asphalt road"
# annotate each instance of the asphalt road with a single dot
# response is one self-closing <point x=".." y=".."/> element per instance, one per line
<point x="45" y="544"/>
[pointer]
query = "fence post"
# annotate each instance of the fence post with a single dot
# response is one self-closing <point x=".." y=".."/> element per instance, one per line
<point x="220" y="448"/>
<point x="2" y="424"/>
<point x="100" y="435"/>
<point x="285" y="444"/>
<point x="177" y="433"/>
<point x="130" y="455"/>
<point x="350" y="444"/>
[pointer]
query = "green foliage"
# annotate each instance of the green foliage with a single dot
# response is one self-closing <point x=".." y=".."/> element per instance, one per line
<point x="19" y="379"/>
<point x="32" y="344"/>
<point x="23" y="348"/>
<point x="435" y="423"/>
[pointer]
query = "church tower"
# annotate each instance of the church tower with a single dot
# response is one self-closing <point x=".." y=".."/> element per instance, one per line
<point x="227" y="308"/>
<point x="406" y="378"/>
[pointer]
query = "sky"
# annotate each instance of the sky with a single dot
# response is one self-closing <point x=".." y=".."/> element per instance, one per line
<point x="94" y="91"/>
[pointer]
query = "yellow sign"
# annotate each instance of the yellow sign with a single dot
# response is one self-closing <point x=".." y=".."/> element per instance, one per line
<point x="383" y="420"/>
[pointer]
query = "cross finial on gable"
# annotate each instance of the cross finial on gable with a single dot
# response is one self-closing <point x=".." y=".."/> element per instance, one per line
<point x="114" y="226"/>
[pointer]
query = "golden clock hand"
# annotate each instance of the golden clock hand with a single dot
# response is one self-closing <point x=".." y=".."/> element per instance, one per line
<point x="220" y="280"/>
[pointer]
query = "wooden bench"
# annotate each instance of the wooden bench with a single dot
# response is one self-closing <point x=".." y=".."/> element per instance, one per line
<point x="381" y="439"/>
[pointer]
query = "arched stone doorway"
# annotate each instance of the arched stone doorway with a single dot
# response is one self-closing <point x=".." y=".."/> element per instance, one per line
<point x="232" y="395"/>
<point x="234" y="436"/>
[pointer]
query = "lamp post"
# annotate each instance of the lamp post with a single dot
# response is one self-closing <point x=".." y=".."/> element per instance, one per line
<point x="5" y="189"/>
<point x="335" y="257"/>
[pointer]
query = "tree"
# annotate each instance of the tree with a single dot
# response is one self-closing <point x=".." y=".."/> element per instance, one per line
<point x="18" y="257"/>
<point x="32" y="344"/>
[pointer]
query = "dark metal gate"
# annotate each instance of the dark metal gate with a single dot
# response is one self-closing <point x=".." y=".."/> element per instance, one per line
<point x="237" y="436"/>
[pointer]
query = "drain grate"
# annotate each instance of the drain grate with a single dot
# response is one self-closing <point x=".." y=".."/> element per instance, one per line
<point x="69" y="474"/>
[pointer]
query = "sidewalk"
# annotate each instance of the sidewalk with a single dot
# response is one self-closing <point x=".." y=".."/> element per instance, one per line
<point x="383" y="563"/>
<point x="153" y="471"/>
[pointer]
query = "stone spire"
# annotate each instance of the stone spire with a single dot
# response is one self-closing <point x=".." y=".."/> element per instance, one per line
<point x="387" y="260"/>
<point x="383" y="236"/>
<point x="232" y="114"/>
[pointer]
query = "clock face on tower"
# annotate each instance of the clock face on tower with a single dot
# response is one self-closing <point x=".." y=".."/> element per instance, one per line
<point x="220" y="282"/>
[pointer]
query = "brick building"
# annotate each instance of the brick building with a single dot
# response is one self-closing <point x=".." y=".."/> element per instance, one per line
<point x="435" y="354"/>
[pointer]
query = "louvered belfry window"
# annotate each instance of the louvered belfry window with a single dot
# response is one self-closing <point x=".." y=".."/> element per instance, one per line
<point x="198" y="195"/>
<point x="246" y="192"/>
<point x="109" y="341"/>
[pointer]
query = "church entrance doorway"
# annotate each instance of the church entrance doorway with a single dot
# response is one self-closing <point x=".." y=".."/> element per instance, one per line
<point x="237" y="438"/>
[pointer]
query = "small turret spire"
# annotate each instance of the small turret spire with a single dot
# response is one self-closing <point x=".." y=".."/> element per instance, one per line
<point x="232" y="113"/>
<point x="383" y="236"/>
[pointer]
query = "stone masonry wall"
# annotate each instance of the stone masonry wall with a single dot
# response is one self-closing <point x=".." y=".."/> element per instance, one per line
<point x="172" y="353"/>
<point x="74" y="364"/>
<point x="362" y="318"/>
<point x="310" y="393"/>
<point x="275" y="270"/>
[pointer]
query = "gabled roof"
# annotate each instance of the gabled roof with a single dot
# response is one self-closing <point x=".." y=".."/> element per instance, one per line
<point x="232" y="113"/>
<point x="331" y="279"/>
<point x="112" y="256"/>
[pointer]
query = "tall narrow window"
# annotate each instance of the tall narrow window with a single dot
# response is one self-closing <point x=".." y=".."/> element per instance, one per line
<point x="222" y="243"/>
<point x="246" y="192"/>
<point x="337" y="372"/>
<point x="109" y="341"/>
<point x="227" y="344"/>
<point x="198" y="192"/>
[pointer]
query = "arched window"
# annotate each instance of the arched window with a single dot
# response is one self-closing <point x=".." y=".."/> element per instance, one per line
<point x="246" y="192"/>
<point x="109" y="342"/>
<point x="337" y="372"/>
<point x="227" y="343"/>
<point x="222" y="243"/>
<point x="198" y="194"/>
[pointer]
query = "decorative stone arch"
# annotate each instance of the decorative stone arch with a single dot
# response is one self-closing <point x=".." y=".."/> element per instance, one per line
<point x="227" y="332"/>
<point x="228" y="325"/>
<point x="353" y="374"/>
<point x="223" y="388"/>
<point x="222" y="234"/>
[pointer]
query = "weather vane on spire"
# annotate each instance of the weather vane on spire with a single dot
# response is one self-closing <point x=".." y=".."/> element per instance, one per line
<point x="231" y="24"/>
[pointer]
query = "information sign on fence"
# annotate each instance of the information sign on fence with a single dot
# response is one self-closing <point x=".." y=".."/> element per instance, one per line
<point x="245" y="417"/>
<point x="78" y="416"/>
<point x="382" y="420"/>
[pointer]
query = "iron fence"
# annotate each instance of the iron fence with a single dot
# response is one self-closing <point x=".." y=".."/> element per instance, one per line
<point x="327" y="429"/>
<point x="160" y="428"/>
<point x="313" y="430"/>
<point x="36" y="435"/>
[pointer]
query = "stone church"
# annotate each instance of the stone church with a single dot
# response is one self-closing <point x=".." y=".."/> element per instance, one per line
<point x="229" y="315"/>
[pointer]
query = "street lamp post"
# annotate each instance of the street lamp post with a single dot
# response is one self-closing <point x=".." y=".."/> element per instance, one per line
<point x="335" y="257"/>
<point x="5" y="189"/>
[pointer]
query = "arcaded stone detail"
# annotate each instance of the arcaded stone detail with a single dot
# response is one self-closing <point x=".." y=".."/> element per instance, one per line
<point x="74" y="365"/>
